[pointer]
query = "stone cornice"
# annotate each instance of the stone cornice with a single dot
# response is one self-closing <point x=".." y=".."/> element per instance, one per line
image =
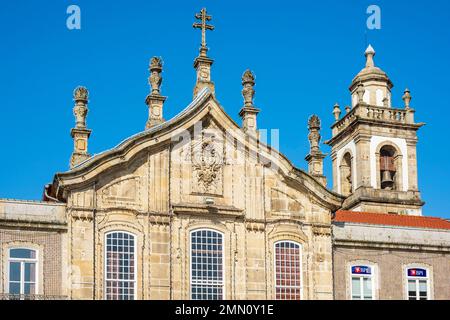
<point x="32" y="225"/>
<point x="203" y="209"/>
<point x="390" y="245"/>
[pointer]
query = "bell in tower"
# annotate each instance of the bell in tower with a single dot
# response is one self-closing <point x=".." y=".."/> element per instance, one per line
<point x="386" y="181"/>
<point x="387" y="168"/>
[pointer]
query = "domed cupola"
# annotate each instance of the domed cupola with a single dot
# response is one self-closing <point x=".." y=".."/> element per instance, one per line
<point x="374" y="81"/>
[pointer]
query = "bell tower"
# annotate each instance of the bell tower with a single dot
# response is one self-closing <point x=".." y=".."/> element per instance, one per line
<point x="374" y="147"/>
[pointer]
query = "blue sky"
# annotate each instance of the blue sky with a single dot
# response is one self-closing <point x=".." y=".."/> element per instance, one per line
<point x="304" y="55"/>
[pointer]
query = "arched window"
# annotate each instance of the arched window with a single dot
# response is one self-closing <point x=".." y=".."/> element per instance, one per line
<point x="120" y="266"/>
<point x="22" y="272"/>
<point x="288" y="271"/>
<point x="388" y="168"/>
<point x="346" y="174"/>
<point x="206" y="265"/>
<point x="418" y="283"/>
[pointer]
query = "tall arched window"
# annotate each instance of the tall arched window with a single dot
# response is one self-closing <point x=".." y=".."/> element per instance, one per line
<point x="206" y="265"/>
<point x="22" y="272"/>
<point x="120" y="266"/>
<point x="346" y="174"/>
<point x="288" y="271"/>
<point x="388" y="168"/>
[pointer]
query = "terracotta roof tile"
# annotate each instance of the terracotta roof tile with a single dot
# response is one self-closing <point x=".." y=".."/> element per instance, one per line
<point x="391" y="220"/>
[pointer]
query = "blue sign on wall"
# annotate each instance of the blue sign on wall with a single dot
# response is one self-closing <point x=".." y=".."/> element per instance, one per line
<point x="416" y="272"/>
<point x="361" y="270"/>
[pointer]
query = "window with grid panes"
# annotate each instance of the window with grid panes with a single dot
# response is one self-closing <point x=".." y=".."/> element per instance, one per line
<point x="362" y="283"/>
<point x="120" y="266"/>
<point x="22" y="272"/>
<point x="287" y="271"/>
<point x="418" y="283"/>
<point x="206" y="265"/>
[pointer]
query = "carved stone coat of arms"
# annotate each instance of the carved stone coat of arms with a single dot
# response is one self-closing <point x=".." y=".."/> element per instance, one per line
<point x="207" y="169"/>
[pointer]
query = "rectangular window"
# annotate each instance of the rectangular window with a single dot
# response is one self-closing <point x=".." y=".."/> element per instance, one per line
<point x="361" y="283"/>
<point x="22" y="273"/>
<point x="417" y="284"/>
<point x="206" y="265"/>
<point x="287" y="271"/>
<point x="120" y="278"/>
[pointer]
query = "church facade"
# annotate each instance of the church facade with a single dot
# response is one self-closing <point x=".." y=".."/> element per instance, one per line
<point x="199" y="207"/>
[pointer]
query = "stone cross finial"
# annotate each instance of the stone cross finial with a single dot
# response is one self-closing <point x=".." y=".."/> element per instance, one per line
<point x="202" y="63"/>
<point x="203" y="17"/>
<point x="248" y="92"/>
<point x="336" y="112"/>
<point x="407" y="98"/>
<point x="80" y="110"/>
<point x="155" y="78"/>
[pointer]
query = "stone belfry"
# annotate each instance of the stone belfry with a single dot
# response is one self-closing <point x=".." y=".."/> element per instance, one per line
<point x="374" y="147"/>
<point x="203" y="63"/>
<point x="80" y="133"/>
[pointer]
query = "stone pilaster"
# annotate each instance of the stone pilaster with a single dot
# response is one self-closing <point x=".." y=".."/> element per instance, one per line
<point x="80" y="134"/>
<point x="362" y="162"/>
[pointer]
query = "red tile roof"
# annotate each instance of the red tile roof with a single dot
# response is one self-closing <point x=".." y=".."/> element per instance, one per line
<point x="391" y="220"/>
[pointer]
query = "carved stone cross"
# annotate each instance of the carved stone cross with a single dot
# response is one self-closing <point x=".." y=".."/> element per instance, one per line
<point x="203" y="25"/>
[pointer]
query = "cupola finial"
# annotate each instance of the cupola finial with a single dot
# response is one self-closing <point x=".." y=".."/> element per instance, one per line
<point x="370" y="53"/>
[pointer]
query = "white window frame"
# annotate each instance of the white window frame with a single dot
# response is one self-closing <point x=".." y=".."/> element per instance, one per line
<point x="223" y="263"/>
<point x="427" y="279"/>
<point x="105" y="269"/>
<point x="22" y="262"/>
<point x="275" y="267"/>
<point x="371" y="276"/>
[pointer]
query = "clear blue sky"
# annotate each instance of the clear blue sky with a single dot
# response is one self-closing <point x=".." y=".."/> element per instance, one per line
<point x="304" y="55"/>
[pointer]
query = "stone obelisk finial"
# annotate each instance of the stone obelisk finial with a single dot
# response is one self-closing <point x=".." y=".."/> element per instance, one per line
<point x="80" y="133"/>
<point x="154" y="100"/>
<point x="248" y="112"/>
<point x="203" y="63"/>
<point x="315" y="156"/>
